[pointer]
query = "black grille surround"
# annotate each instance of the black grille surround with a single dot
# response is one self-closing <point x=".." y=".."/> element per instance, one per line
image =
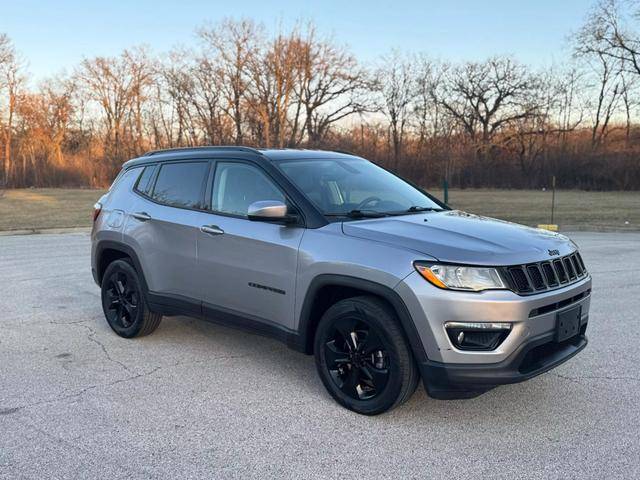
<point x="539" y="277"/>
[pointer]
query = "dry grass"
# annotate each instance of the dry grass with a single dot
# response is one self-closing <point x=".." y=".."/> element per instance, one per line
<point x="575" y="210"/>
<point x="42" y="208"/>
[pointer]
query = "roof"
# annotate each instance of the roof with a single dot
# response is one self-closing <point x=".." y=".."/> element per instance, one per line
<point x="273" y="154"/>
<point x="292" y="153"/>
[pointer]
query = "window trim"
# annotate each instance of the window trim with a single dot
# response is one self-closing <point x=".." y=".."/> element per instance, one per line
<point x="288" y="200"/>
<point x="202" y="185"/>
<point x="205" y="197"/>
<point x="155" y="178"/>
<point x="121" y="174"/>
<point x="152" y="180"/>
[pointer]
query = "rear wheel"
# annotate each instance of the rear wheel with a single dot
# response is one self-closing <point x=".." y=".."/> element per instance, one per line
<point x="123" y="302"/>
<point x="362" y="356"/>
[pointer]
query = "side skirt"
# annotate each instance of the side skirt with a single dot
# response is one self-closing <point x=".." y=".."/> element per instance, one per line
<point x="177" y="305"/>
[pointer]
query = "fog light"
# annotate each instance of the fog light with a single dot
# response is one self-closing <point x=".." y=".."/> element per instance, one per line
<point x="477" y="335"/>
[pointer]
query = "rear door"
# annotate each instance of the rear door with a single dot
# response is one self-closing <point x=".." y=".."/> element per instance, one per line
<point x="164" y="225"/>
<point x="247" y="267"/>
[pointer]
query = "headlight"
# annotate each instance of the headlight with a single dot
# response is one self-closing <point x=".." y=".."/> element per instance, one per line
<point x="457" y="277"/>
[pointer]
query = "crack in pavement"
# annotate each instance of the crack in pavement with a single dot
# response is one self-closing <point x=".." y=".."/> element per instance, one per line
<point x="92" y="337"/>
<point x="82" y="391"/>
<point x="79" y="393"/>
<point x="593" y="377"/>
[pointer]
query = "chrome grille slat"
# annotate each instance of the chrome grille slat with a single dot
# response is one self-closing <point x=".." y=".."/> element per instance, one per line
<point x="536" y="277"/>
<point x="520" y="279"/>
<point x="576" y="265"/>
<point x="568" y="265"/>
<point x="549" y="274"/>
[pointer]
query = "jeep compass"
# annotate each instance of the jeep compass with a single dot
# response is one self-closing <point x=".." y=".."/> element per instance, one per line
<point x="340" y="259"/>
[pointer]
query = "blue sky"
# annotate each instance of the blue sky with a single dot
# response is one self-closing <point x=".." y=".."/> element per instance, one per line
<point x="56" y="35"/>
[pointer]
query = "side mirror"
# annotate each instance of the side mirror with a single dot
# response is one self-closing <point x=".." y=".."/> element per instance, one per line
<point x="270" y="211"/>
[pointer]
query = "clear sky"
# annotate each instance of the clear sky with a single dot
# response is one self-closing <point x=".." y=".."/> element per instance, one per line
<point x="56" y="34"/>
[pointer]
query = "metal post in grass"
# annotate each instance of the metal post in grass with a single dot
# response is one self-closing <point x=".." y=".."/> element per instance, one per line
<point x="551" y="226"/>
<point x="445" y="187"/>
<point x="553" y="197"/>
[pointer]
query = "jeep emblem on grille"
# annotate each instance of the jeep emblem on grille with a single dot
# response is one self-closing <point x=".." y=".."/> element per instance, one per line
<point x="554" y="252"/>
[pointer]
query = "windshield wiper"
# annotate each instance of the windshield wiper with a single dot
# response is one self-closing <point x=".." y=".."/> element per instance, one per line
<point x="415" y="208"/>
<point x="359" y="214"/>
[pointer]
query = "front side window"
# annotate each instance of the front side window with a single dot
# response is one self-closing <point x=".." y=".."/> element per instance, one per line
<point x="180" y="184"/>
<point x="238" y="185"/>
<point x="340" y="187"/>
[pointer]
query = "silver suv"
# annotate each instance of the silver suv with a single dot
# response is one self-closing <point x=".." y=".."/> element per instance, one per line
<point x="339" y="258"/>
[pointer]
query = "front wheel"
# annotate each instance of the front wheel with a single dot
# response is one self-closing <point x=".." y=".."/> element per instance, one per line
<point x="123" y="302"/>
<point x="362" y="356"/>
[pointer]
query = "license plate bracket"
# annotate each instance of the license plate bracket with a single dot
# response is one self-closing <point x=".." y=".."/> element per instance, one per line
<point x="568" y="323"/>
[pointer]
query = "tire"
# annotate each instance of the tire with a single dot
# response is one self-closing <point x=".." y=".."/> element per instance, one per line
<point x="123" y="301"/>
<point x="362" y="356"/>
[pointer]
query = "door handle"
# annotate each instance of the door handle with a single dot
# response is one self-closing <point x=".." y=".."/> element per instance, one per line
<point x="211" y="229"/>
<point x="142" y="216"/>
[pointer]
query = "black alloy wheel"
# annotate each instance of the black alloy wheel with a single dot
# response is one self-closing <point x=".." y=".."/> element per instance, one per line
<point x="362" y="356"/>
<point x="123" y="301"/>
<point x="356" y="358"/>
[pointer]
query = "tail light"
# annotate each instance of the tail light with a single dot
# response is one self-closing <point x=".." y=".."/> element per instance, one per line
<point x="97" y="208"/>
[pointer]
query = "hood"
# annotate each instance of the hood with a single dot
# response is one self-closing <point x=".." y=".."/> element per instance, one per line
<point x="459" y="237"/>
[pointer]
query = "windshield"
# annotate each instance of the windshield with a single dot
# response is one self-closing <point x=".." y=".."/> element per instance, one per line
<point x="347" y="186"/>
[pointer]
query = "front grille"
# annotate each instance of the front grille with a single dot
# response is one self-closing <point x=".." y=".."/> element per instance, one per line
<point x="576" y="264"/>
<point x="549" y="274"/>
<point x="536" y="277"/>
<point x="520" y="279"/>
<point x="568" y="265"/>
<point x="543" y="276"/>
<point x="562" y="274"/>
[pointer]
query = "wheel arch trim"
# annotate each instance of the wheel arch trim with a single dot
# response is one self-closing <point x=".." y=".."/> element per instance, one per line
<point x="103" y="245"/>
<point x="306" y="326"/>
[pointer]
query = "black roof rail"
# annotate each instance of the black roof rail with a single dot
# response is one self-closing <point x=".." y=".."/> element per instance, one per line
<point x="204" y="148"/>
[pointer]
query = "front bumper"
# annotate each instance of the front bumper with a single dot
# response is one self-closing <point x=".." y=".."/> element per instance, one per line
<point x="532" y="358"/>
<point x="529" y="350"/>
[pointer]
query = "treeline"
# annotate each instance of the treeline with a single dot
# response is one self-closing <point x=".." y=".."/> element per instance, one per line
<point x="491" y="123"/>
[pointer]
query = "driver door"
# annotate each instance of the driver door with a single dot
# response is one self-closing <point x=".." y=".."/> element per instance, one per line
<point x="246" y="267"/>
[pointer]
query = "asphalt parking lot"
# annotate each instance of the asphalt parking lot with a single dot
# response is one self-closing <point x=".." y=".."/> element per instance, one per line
<point x="196" y="400"/>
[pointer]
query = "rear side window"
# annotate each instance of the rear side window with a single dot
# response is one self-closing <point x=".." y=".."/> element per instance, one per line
<point x="181" y="184"/>
<point x="127" y="176"/>
<point x="144" y="182"/>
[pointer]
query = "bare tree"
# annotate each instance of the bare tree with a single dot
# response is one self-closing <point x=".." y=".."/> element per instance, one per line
<point x="11" y="81"/>
<point x="119" y="86"/>
<point x="232" y="46"/>
<point x="609" y="31"/>
<point x="45" y="117"/>
<point x="272" y="89"/>
<point x="331" y="86"/>
<point x="142" y="72"/>
<point x="173" y="116"/>
<point x="605" y="52"/>
<point x="395" y="80"/>
<point x="487" y="97"/>
<point x="488" y="123"/>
